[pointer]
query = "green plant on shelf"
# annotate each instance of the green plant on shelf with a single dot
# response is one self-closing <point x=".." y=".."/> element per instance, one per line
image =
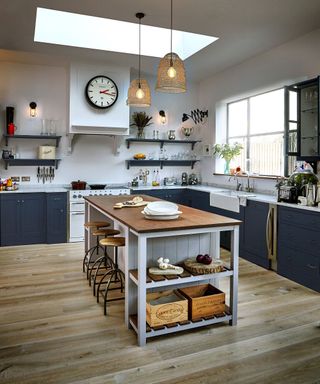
<point x="228" y="152"/>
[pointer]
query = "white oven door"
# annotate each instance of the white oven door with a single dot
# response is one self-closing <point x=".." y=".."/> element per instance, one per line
<point x="77" y="206"/>
<point x="76" y="232"/>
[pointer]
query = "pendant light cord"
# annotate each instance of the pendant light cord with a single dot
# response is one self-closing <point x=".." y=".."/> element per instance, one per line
<point x="171" y="61"/>
<point x="139" y="49"/>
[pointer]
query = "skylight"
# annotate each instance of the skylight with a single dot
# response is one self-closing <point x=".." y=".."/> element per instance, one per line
<point x="71" y="29"/>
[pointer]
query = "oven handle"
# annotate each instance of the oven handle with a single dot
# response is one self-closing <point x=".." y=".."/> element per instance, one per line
<point x="72" y="203"/>
<point x="76" y="213"/>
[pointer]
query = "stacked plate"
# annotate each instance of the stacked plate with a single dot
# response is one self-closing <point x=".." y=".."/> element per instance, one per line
<point x="161" y="210"/>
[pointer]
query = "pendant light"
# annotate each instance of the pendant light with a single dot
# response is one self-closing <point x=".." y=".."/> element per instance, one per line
<point x="171" y="73"/>
<point x="139" y="92"/>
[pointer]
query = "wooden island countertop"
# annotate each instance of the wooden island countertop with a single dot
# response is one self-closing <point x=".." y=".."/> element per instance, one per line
<point x="132" y="217"/>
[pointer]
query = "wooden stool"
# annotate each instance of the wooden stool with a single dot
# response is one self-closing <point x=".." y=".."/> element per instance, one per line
<point x="115" y="272"/>
<point x="103" y="262"/>
<point x="87" y="260"/>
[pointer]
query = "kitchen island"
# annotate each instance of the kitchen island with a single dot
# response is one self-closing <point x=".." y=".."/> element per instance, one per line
<point x="146" y="240"/>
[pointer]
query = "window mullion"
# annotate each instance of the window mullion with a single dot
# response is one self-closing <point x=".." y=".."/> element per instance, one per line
<point x="247" y="163"/>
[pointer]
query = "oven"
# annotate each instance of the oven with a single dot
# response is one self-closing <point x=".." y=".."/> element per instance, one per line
<point x="77" y="210"/>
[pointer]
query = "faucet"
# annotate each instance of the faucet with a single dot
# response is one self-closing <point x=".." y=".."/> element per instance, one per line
<point x="248" y="188"/>
<point x="238" y="185"/>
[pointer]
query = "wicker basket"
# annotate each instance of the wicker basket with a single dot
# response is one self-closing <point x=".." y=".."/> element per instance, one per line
<point x="201" y="269"/>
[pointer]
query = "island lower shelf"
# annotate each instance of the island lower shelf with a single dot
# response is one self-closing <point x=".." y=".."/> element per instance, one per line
<point x="183" y="325"/>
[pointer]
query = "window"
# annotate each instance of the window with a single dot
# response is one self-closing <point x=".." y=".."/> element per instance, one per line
<point x="257" y="123"/>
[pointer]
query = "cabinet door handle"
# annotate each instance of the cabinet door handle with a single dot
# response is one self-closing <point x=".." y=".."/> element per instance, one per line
<point x="22" y="201"/>
<point x="311" y="266"/>
<point x="18" y="201"/>
<point x="268" y="232"/>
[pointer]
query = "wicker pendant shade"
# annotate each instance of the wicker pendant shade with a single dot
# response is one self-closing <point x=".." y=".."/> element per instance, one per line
<point x="139" y="91"/>
<point x="133" y="100"/>
<point x="168" y="84"/>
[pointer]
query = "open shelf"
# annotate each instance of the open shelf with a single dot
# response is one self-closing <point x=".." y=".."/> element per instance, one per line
<point x="183" y="325"/>
<point x="30" y="162"/>
<point x="162" y="141"/>
<point x="41" y="137"/>
<point x="154" y="281"/>
<point x="161" y="163"/>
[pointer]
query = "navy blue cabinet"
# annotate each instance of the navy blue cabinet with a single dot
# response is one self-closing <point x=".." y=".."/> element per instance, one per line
<point x="23" y="219"/>
<point x="177" y="195"/>
<point x="254" y="241"/>
<point x="298" y="246"/>
<point x="56" y="217"/>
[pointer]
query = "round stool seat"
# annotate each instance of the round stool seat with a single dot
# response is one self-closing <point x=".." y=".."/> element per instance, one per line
<point x="97" y="224"/>
<point x="106" y="232"/>
<point x="113" y="242"/>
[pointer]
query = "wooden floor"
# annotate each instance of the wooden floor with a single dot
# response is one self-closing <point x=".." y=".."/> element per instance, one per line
<point x="52" y="330"/>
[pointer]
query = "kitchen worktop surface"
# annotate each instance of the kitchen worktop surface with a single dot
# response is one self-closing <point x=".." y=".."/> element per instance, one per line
<point x="133" y="218"/>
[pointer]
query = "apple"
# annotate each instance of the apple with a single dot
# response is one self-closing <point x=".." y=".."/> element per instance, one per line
<point x="199" y="258"/>
<point x="206" y="259"/>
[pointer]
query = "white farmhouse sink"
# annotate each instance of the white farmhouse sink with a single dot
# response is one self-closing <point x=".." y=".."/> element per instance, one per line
<point x="229" y="200"/>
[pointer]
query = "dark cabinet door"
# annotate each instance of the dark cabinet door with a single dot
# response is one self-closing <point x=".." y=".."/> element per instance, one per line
<point x="10" y="220"/>
<point x="254" y="246"/>
<point x="199" y="200"/>
<point x="23" y="219"/>
<point x="56" y="218"/>
<point x="177" y="196"/>
<point x="302" y="131"/>
<point x="298" y="255"/>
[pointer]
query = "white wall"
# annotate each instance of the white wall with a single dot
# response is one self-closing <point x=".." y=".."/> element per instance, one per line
<point x="291" y="62"/>
<point x="92" y="158"/>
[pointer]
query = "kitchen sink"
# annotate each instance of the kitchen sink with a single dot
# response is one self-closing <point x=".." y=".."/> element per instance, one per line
<point x="229" y="200"/>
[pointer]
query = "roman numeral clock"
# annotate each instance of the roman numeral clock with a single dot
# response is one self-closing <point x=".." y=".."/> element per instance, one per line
<point x="101" y="92"/>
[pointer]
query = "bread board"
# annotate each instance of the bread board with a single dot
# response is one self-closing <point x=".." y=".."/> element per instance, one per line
<point x="124" y="205"/>
<point x="201" y="269"/>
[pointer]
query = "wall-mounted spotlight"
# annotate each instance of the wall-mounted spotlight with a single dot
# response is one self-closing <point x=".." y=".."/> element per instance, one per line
<point x="33" y="109"/>
<point x="163" y="117"/>
<point x="197" y="116"/>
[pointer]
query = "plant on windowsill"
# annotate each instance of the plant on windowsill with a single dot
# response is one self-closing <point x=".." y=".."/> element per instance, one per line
<point x="140" y="120"/>
<point x="228" y="152"/>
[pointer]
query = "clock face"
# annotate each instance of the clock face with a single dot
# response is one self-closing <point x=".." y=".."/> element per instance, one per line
<point x="101" y="92"/>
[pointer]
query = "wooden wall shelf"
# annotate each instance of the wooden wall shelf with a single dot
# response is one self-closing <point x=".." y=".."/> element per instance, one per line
<point x="41" y="137"/>
<point x="161" y="141"/>
<point x="30" y="162"/>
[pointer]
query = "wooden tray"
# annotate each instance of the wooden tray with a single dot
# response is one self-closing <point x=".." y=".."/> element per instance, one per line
<point x="201" y="269"/>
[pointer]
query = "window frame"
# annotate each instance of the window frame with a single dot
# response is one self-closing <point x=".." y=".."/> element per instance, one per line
<point x="249" y="135"/>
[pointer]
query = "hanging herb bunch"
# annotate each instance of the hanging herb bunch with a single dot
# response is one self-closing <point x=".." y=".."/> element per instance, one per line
<point x="140" y="120"/>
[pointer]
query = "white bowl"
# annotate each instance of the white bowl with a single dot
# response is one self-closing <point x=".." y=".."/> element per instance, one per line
<point x="147" y="212"/>
<point x="161" y="217"/>
<point x="162" y="207"/>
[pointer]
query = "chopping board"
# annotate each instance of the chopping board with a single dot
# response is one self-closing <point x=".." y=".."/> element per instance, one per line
<point x="126" y="205"/>
<point x="199" y="269"/>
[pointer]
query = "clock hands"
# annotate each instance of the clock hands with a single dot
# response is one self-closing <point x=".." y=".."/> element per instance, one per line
<point x="107" y="93"/>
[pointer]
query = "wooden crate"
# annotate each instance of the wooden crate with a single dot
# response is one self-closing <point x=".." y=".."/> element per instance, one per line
<point x="166" y="307"/>
<point x="203" y="300"/>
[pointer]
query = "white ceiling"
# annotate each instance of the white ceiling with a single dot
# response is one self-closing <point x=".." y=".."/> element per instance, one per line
<point x="245" y="28"/>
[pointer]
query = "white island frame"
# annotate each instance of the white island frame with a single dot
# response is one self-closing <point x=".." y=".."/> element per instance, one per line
<point x="144" y="247"/>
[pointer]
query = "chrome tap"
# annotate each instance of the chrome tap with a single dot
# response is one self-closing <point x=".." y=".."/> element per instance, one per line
<point x="238" y="184"/>
<point x="248" y="187"/>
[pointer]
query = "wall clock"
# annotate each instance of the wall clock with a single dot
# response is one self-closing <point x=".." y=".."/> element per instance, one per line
<point x="101" y="92"/>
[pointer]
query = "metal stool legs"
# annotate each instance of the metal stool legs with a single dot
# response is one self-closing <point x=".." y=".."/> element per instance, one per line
<point x="115" y="275"/>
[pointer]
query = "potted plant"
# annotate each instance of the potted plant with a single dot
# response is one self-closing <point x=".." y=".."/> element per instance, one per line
<point x="140" y="120"/>
<point x="227" y="152"/>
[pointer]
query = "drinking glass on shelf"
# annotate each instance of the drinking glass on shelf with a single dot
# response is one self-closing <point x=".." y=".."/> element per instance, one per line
<point x="45" y="126"/>
<point x="53" y="127"/>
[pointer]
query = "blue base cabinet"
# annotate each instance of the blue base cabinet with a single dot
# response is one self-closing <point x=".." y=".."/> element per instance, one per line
<point x="33" y="218"/>
<point x="23" y="219"/>
<point x="56" y="218"/>
<point x="298" y="252"/>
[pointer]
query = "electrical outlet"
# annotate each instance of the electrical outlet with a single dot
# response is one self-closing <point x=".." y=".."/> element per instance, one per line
<point x="15" y="178"/>
<point x="25" y="178"/>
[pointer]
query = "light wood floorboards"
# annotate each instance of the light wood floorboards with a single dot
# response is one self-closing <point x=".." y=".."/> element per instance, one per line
<point x="53" y="331"/>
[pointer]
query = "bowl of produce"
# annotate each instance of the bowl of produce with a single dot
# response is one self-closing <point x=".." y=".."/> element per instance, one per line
<point x="139" y="156"/>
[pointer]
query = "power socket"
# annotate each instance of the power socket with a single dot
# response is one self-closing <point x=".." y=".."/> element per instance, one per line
<point x="25" y="178"/>
<point x="15" y="178"/>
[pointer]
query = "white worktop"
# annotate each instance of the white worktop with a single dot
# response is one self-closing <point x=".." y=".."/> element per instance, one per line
<point x="262" y="197"/>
